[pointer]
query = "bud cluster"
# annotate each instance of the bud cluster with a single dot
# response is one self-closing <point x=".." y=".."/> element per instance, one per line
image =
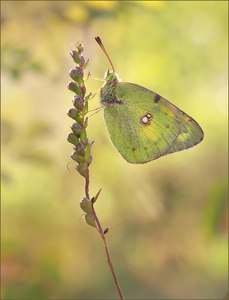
<point x="78" y="136"/>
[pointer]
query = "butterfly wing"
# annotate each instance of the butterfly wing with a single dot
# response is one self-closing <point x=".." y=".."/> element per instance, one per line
<point x="144" y="126"/>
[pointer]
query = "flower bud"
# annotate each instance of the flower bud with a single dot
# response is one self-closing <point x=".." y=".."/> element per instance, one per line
<point x="75" y="55"/>
<point x="78" y="102"/>
<point x="80" y="149"/>
<point x="72" y="113"/>
<point x="74" y="87"/>
<point x="72" y="139"/>
<point x="77" y="75"/>
<point x="76" y="129"/>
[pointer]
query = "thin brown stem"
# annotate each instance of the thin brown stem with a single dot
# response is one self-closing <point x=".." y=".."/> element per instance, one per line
<point x="109" y="259"/>
<point x="87" y="181"/>
<point x="101" y="232"/>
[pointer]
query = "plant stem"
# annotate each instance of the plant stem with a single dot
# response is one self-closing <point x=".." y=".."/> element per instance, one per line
<point x="101" y="232"/>
<point x="87" y="181"/>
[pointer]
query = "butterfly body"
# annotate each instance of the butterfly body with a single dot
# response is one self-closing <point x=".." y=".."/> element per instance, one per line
<point x="143" y="125"/>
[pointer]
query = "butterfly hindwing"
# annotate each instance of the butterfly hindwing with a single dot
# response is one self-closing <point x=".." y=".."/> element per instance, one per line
<point x="144" y="126"/>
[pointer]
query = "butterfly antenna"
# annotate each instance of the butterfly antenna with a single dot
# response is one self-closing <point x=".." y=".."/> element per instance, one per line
<point x="98" y="40"/>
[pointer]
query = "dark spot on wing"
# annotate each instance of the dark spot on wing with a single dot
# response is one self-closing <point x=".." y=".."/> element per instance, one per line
<point x="133" y="149"/>
<point x="156" y="98"/>
<point x="167" y="125"/>
<point x="146" y="119"/>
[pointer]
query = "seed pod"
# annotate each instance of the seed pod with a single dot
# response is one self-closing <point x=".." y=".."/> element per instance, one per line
<point x="85" y="205"/>
<point x="90" y="220"/>
<point x="78" y="158"/>
<point x="82" y="169"/>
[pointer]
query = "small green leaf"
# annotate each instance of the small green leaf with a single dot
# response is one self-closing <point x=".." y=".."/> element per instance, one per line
<point x="87" y="151"/>
<point x="86" y="64"/>
<point x="85" y="109"/>
<point x="83" y="135"/>
<point x="96" y="197"/>
<point x="79" y="118"/>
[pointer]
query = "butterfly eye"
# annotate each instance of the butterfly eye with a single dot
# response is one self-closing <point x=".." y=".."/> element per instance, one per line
<point x="146" y="119"/>
<point x="111" y="77"/>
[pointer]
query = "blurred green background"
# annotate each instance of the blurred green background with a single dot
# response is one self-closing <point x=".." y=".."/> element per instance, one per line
<point x="168" y="218"/>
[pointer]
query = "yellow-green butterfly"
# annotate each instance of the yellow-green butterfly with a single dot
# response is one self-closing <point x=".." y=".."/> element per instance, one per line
<point x="143" y="125"/>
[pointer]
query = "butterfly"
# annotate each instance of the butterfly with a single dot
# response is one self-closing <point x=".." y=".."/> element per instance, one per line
<point x="143" y="125"/>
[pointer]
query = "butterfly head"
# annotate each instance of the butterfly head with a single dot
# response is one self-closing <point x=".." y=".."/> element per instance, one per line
<point x="107" y="93"/>
<point x="111" y="78"/>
